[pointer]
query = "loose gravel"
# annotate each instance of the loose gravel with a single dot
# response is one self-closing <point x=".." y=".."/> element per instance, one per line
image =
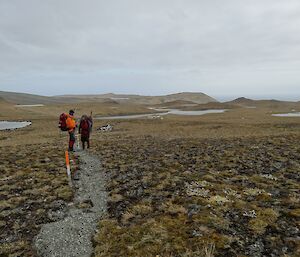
<point x="71" y="236"/>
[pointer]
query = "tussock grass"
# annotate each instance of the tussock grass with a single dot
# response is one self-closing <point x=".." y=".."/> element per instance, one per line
<point x="159" y="203"/>
<point x="174" y="200"/>
<point x="28" y="187"/>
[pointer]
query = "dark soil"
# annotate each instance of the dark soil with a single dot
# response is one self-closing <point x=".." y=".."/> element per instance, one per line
<point x="33" y="184"/>
<point x="177" y="197"/>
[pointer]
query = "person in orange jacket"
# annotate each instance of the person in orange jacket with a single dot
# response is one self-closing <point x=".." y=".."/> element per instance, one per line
<point x="71" y="125"/>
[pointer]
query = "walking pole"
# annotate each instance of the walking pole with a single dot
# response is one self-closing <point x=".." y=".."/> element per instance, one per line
<point x="77" y="139"/>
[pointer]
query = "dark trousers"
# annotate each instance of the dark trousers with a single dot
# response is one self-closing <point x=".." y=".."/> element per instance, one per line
<point x="85" y="138"/>
<point x="71" y="140"/>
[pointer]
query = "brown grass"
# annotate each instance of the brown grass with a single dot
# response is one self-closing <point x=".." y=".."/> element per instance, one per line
<point x="152" y="163"/>
<point x="232" y="167"/>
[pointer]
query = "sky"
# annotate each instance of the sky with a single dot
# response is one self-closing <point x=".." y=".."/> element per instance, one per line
<point x="151" y="47"/>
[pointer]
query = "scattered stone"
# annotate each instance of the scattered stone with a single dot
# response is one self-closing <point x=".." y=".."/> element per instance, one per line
<point x="56" y="215"/>
<point x="71" y="232"/>
<point x="251" y="214"/>
<point x="217" y="199"/>
<point x="195" y="189"/>
<point x="105" y="128"/>
<point x="269" y="176"/>
<point x="253" y="191"/>
<point x="256" y="249"/>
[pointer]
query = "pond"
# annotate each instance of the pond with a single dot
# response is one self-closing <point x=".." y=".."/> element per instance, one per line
<point x="29" y="105"/>
<point x="291" y="114"/>
<point x="160" y="113"/>
<point x="194" y="113"/>
<point x="9" y="125"/>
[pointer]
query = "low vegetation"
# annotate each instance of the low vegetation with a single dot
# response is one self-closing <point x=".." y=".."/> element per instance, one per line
<point x="33" y="185"/>
<point x="215" y="185"/>
<point x="180" y="197"/>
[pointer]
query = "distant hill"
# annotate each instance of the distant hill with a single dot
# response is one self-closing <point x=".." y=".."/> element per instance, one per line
<point x="185" y="99"/>
<point x="22" y="98"/>
<point x="245" y="102"/>
<point x="147" y="100"/>
<point x="175" y="104"/>
<point x="199" y="98"/>
<point x="6" y="109"/>
<point x="212" y="106"/>
<point x="242" y="101"/>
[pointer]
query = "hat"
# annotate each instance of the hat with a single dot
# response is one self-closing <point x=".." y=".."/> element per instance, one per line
<point x="71" y="112"/>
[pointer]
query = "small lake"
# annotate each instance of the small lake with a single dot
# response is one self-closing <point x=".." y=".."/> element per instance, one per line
<point x="4" y="125"/>
<point x="194" y="113"/>
<point x="291" y="114"/>
<point x="161" y="112"/>
<point x="29" y="105"/>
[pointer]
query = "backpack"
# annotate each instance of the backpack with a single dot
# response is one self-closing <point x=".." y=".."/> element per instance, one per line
<point x="62" y="124"/>
<point x="90" y="120"/>
<point x="85" y="125"/>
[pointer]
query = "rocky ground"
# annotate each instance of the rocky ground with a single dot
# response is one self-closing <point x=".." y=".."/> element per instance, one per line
<point x="71" y="234"/>
<point x="33" y="188"/>
<point x="215" y="185"/>
<point x="191" y="197"/>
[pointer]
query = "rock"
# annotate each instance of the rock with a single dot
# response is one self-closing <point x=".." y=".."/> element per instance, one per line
<point x="56" y="215"/>
<point x="105" y="128"/>
<point x="58" y="205"/>
<point x="85" y="204"/>
<point x="46" y="160"/>
<point x="256" y="249"/>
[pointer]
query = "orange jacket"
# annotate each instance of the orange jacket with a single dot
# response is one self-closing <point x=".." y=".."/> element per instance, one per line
<point x="71" y="123"/>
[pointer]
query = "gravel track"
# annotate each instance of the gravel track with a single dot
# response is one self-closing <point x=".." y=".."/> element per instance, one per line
<point x="71" y="236"/>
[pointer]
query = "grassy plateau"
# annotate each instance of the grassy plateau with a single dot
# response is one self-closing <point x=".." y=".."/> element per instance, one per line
<point x="215" y="185"/>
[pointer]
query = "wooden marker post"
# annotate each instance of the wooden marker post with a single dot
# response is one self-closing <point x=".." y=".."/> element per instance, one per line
<point x="68" y="164"/>
<point x="68" y="168"/>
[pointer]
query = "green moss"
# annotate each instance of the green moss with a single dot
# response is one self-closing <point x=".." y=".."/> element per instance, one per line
<point x="211" y="186"/>
<point x="13" y="249"/>
<point x="164" y="236"/>
<point x="4" y="205"/>
<point x="65" y="193"/>
<point x="265" y="217"/>
<point x="295" y="213"/>
<point x="218" y="200"/>
<point x="258" y="226"/>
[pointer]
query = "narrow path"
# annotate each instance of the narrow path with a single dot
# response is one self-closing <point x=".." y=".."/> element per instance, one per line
<point x="72" y="235"/>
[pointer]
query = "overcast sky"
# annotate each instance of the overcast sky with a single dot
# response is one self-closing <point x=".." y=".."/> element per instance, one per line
<point x="219" y="47"/>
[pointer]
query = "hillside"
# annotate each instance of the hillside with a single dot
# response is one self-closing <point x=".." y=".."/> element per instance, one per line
<point x="22" y="98"/>
<point x="176" y="186"/>
<point x="148" y="100"/>
<point x="199" y="98"/>
<point x="242" y="101"/>
<point x="175" y="104"/>
<point x="6" y="109"/>
<point x="212" y="106"/>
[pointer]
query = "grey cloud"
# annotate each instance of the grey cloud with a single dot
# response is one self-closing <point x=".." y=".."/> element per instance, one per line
<point x="147" y="46"/>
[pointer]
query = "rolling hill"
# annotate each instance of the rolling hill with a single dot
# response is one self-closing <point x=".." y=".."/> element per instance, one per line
<point x="245" y="102"/>
<point x="146" y="100"/>
<point x="22" y="98"/>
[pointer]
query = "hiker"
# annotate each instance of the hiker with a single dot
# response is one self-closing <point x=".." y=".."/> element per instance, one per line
<point x="85" y="127"/>
<point x="71" y="126"/>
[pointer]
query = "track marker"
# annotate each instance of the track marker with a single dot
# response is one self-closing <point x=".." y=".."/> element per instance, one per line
<point x="68" y="164"/>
